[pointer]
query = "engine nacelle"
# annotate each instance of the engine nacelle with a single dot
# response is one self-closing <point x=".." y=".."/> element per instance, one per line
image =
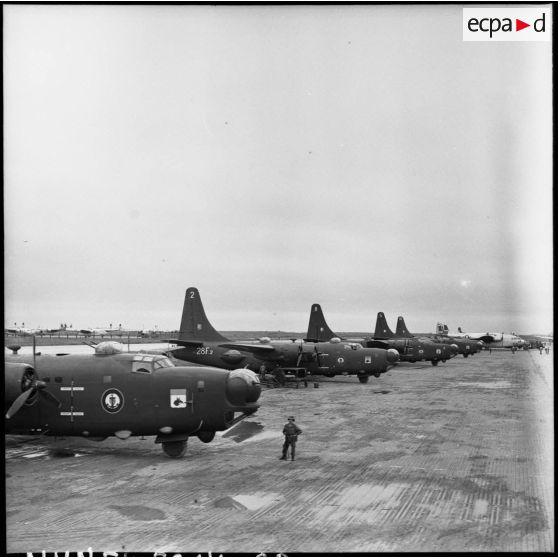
<point x="232" y="356"/>
<point x="17" y="378"/>
<point x="392" y="355"/>
<point x="243" y="386"/>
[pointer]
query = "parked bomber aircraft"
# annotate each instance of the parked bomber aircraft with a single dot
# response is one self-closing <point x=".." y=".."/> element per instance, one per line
<point x="465" y="347"/>
<point x="201" y="343"/>
<point x="494" y="340"/>
<point x="112" y="393"/>
<point x="409" y="348"/>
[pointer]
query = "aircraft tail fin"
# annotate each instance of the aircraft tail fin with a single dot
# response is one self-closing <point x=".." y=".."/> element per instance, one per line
<point x="318" y="330"/>
<point x="382" y="330"/>
<point x="442" y="329"/>
<point x="402" y="330"/>
<point x="194" y="325"/>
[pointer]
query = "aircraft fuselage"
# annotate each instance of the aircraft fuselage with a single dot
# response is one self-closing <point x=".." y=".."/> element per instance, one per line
<point x="127" y="394"/>
<point x="318" y="358"/>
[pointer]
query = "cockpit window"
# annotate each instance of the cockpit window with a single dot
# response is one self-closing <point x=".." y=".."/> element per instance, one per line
<point x="163" y="362"/>
<point x="142" y="364"/>
<point x="146" y="364"/>
<point x="353" y="346"/>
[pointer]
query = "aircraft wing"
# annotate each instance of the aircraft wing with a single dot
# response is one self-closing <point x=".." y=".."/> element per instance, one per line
<point x="486" y="338"/>
<point x="376" y="344"/>
<point x="184" y="343"/>
<point x="250" y="347"/>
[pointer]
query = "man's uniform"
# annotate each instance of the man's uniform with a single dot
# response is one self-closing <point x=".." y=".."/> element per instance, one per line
<point x="291" y="432"/>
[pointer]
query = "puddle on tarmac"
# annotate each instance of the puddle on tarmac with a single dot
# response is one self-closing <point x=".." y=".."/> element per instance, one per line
<point x="487" y="385"/>
<point x="481" y="507"/>
<point x="62" y="452"/>
<point x="33" y="455"/>
<point x="258" y="500"/>
<point x="243" y="431"/>
<point x="248" y="501"/>
<point x="228" y="503"/>
<point x="140" y="513"/>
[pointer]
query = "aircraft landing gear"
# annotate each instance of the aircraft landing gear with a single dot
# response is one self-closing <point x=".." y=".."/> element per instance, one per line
<point x="175" y="449"/>
<point x="206" y="436"/>
<point x="435" y="363"/>
<point x="465" y="355"/>
<point x="363" y="379"/>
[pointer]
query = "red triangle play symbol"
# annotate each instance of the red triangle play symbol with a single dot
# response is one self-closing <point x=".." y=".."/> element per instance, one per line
<point x="519" y="25"/>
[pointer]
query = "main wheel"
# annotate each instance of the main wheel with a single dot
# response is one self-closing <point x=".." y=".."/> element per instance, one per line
<point x="175" y="449"/>
<point x="206" y="436"/>
<point x="435" y="363"/>
<point x="363" y="379"/>
<point x="465" y="355"/>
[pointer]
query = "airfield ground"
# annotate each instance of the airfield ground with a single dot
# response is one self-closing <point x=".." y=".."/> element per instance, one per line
<point x="457" y="458"/>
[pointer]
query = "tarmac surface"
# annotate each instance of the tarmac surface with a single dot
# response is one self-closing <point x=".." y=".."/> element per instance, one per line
<point x="454" y="458"/>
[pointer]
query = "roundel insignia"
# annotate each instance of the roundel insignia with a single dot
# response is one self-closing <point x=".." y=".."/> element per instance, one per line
<point x="438" y="351"/>
<point x="340" y="360"/>
<point x="112" y="400"/>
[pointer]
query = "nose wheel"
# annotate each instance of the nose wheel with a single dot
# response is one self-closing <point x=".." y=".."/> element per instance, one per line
<point x="175" y="449"/>
<point x="363" y="379"/>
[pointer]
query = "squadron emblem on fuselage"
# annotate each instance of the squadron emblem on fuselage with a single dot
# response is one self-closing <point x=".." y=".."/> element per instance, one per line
<point x="112" y="400"/>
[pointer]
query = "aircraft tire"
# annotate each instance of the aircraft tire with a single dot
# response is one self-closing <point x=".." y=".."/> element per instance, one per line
<point x="363" y="379"/>
<point x="435" y="363"/>
<point x="175" y="449"/>
<point x="465" y="355"/>
<point x="206" y="436"/>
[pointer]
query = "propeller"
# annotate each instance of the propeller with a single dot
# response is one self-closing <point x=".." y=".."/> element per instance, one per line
<point x="317" y="356"/>
<point x="31" y="385"/>
<point x="299" y="357"/>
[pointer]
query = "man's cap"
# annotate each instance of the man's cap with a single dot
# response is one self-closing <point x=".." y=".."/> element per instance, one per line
<point x="290" y="418"/>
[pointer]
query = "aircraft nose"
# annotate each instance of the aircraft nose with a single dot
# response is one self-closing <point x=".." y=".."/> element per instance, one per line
<point x="243" y="387"/>
<point x="392" y="355"/>
<point x="454" y="349"/>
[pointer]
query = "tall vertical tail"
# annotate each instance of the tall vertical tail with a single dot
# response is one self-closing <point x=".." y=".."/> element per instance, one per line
<point x="194" y="325"/>
<point x="402" y="330"/>
<point x="318" y="330"/>
<point x="382" y="329"/>
<point x="441" y="329"/>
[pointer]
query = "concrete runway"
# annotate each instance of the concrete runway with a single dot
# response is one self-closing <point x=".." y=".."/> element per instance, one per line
<point x="457" y="458"/>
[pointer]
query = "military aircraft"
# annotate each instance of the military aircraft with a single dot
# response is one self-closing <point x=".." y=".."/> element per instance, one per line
<point x="493" y="340"/>
<point x="464" y="347"/>
<point x="200" y="343"/>
<point x="28" y="330"/>
<point x="409" y="348"/>
<point x="113" y="393"/>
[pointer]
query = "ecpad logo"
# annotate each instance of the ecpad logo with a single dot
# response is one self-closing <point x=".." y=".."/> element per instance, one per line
<point x="507" y="24"/>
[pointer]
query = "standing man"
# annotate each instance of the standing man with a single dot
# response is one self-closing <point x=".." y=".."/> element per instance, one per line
<point x="291" y="432"/>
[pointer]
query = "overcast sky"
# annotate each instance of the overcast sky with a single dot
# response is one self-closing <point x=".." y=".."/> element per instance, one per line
<point x="362" y="157"/>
